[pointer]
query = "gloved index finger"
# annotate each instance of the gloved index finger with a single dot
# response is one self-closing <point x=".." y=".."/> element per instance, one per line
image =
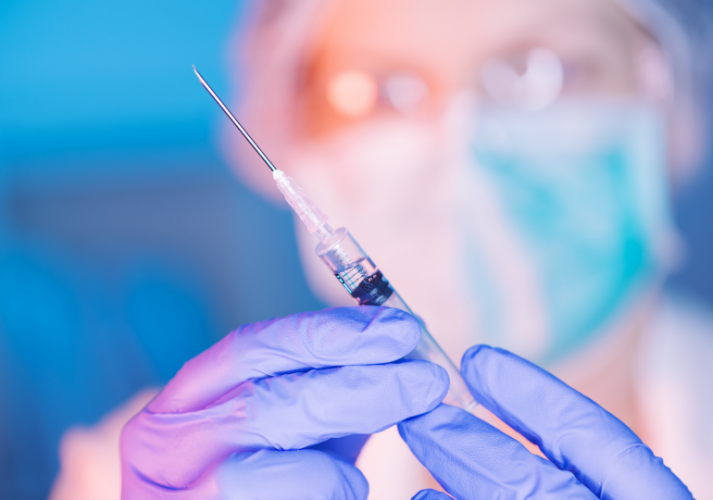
<point x="332" y="337"/>
<point x="573" y="431"/>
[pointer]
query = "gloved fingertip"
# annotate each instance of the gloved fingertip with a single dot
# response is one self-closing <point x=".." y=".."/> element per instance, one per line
<point x="442" y="376"/>
<point x="430" y="495"/>
<point x="438" y="388"/>
<point x="472" y="353"/>
<point x="422" y="385"/>
<point x="289" y="474"/>
<point x="429" y="423"/>
<point x="355" y="479"/>
<point x="401" y="325"/>
<point x="357" y="335"/>
<point x="482" y="361"/>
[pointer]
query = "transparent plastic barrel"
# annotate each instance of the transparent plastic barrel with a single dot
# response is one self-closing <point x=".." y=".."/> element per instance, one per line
<point x="368" y="286"/>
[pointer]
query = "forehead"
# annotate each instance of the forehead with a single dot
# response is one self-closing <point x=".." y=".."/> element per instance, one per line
<point x="449" y="30"/>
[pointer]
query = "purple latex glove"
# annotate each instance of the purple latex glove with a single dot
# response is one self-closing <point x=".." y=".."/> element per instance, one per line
<point x="236" y="420"/>
<point x="592" y="453"/>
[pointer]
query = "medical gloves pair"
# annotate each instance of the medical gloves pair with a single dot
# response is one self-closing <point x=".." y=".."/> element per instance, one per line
<point x="280" y="410"/>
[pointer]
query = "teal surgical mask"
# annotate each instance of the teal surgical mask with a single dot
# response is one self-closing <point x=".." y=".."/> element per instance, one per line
<point x="582" y="186"/>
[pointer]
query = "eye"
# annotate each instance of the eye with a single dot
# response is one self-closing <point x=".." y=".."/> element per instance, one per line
<point x="528" y="81"/>
<point x="357" y="94"/>
<point x="405" y="92"/>
<point x="353" y="94"/>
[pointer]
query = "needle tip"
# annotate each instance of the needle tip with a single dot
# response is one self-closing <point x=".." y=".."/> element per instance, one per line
<point x="200" y="78"/>
<point x="233" y="119"/>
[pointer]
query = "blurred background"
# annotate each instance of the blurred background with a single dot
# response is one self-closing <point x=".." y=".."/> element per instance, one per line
<point x="126" y="244"/>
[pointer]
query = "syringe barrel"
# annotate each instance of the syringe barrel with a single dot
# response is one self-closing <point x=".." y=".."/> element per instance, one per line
<point x="368" y="286"/>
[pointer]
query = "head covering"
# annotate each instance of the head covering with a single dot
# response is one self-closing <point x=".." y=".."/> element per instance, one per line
<point x="272" y="44"/>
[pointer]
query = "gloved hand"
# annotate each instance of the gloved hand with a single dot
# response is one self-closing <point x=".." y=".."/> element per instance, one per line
<point x="592" y="453"/>
<point x="236" y="420"/>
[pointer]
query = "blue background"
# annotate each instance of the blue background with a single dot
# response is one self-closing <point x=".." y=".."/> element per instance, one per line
<point x="126" y="245"/>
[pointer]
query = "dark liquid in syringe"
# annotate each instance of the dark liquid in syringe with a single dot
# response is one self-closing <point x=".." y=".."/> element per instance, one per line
<point x="373" y="290"/>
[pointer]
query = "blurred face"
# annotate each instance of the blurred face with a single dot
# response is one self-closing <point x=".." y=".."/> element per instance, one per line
<point x="449" y="44"/>
<point x="480" y="151"/>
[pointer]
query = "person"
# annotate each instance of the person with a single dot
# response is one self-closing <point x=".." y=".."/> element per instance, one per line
<point x="509" y="165"/>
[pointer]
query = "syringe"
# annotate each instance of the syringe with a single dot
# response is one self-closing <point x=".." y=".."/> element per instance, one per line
<point x="353" y="267"/>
